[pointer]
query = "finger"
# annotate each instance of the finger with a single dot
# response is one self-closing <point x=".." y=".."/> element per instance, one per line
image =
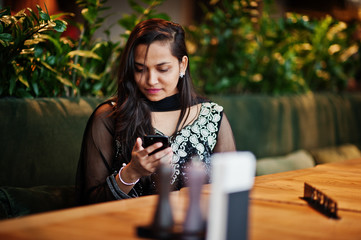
<point x="153" y="147"/>
<point x="138" y="145"/>
<point x="163" y="153"/>
<point x="162" y="157"/>
<point x="151" y="165"/>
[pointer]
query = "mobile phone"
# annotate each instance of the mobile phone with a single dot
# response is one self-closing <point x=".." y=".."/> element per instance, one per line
<point x="151" y="139"/>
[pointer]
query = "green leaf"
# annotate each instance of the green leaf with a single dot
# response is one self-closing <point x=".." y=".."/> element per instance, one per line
<point x="27" y="51"/>
<point x="5" y="11"/>
<point x="60" y="26"/>
<point x="89" y="14"/>
<point x="12" y="84"/>
<point x="136" y="7"/>
<point x="84" y="53"/>
<point x="58" y="75"/>
<point x="51" y="60"/>
<point x="127" y="21"/>
<point x="64" y="81"/>
<point x="35" y="88"/>
<point x="23" y="80"/>
<point x="28" y="23"/>
<point x="84" y="72"/>
<point x="47" y="11"/>
<point x="97" y="86"/>
<point x="38" y="51"/>
<point x="33" y="15"/>
<point x="5" y="44"/>
<point x="23" y="93"/>
<point x="44" y="16"/>
<point x="54" y="41"/>
<point x="48" y="67"/>
<point x="6" y="37"/>
<point x="161" y="16"/>
<point x="35" y="41"/>
<point x="56" y="16"/>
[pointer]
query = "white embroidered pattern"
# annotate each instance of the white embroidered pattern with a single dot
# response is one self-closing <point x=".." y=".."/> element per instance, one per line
<point x="198" y="138"/>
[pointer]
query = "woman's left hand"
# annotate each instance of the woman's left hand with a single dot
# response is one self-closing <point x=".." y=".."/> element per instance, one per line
<point x="143" y="164"/>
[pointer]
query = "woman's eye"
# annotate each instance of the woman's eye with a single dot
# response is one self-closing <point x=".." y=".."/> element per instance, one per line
<point x="138" y="69"/>
<point x="163" y="70"/>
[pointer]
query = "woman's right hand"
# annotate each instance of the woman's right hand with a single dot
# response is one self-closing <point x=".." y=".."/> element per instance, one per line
<point x="143" y="164"/>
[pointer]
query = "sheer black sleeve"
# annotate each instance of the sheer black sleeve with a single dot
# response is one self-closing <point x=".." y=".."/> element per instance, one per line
<point x="95" y="180"/>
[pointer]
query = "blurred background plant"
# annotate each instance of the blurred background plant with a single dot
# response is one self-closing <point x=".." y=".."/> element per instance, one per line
<point x="38" y="61"/>
<point x="239" y="46"/>
<point x="95" y="74"/>
<point x="22" y="66"/>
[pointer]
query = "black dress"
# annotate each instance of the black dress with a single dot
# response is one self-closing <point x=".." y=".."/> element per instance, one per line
<point x="98" y="164"/>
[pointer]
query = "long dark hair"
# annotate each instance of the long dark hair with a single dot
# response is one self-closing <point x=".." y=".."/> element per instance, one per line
<point x="132" y="112"/>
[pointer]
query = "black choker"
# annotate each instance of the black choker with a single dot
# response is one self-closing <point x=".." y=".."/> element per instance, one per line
<point x="171" y="103"/>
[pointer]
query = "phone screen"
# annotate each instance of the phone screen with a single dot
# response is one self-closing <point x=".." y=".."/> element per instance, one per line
<point x="151" y="139"/>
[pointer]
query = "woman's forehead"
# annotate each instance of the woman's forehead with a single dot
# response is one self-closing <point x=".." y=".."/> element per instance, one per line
<point x="158" y="51"/>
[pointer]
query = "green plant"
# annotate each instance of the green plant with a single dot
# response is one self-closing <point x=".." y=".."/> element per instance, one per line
<point x="96" y="75"/>
<point x="20" y="68"/>
<point x="239" y="48"/>
<point x="37" y="61"/>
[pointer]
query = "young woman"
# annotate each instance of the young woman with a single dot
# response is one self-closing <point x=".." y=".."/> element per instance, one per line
<point x="155" y="96"/>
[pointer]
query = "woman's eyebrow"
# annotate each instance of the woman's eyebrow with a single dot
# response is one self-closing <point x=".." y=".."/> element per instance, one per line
<point x="159" y="64"/>
<point x="163" y="63"/>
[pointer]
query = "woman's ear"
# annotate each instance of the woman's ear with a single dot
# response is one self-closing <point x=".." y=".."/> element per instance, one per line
<point x="183" y="64"/>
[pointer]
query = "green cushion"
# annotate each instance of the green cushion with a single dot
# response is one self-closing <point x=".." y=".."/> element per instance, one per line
<point x="294" y="161"/>
<point x="335" y="154"/>
<point x="15" y="202"/>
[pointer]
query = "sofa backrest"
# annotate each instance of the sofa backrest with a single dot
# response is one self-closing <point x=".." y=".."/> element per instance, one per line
<point x="40" y="139"/>
<point x="274" y="126"/>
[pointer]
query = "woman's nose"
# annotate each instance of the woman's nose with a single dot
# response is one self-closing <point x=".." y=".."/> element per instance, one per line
<point x="152" y="78"/>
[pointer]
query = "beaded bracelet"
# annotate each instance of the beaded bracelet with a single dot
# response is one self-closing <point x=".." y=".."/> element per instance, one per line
<point x="125" y="183"/>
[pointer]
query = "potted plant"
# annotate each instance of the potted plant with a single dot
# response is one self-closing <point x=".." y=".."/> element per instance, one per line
<point x="250" y="51"/>
<point x="38" y="61"/>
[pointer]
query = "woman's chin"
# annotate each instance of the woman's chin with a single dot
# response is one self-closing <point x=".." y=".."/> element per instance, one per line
<point x="154" y="97"/>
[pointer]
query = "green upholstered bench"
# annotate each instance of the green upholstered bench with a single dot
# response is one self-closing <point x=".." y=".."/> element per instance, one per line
<point x="275" y="129"/>
<point x="40" y="140"/>
<point x="18" y="201"/>
<point x="40" y="144"/>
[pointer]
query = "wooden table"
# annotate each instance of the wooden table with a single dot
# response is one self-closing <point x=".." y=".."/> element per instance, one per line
<point x="276" y="210"/>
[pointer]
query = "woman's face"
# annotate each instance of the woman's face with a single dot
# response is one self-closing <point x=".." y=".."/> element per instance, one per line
<point x="157" y="73"/>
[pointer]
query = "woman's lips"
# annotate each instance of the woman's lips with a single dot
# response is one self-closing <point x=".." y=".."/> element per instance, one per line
<point x="153" y="90"/>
